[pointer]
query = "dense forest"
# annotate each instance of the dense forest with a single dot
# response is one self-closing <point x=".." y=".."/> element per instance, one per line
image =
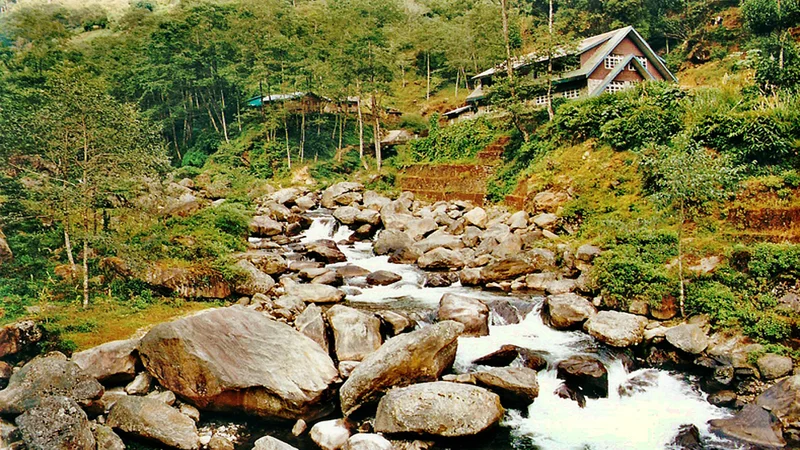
<point x="101" y="108"/>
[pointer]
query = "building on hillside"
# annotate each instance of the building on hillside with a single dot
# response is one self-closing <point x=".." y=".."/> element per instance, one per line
<point x="295" y="101"/>
<point x="608" y="62"/>
<point x="397" y="137"/>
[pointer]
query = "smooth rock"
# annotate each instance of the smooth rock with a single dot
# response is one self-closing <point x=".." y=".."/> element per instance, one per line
<point x="255" y="281"/>
<point x="471" y="312"/>
<point x="506" y="269"/>
<point x="477" y="217"/>
<point x="439" y="409"/>
<point x="754" y="425"/>
<point x="396" y="323"/>
<point x="389" y="241"/>
<point x="237" y="360"/>
<point x="356" y="334"/>
<point x="783" y="400"/>
<point x="330" y="434"/>
<point x="499" y="358"/>
<point x="325" y="251"/>
<point x="516" y="386"/>
<point x="568" y="310"/>
<point x="56" y="423"/>
<point x="316" y="293"/>
<point x="584" y="374"/>
<point x="441" y="259"/>
<point x="587" y="252"/>
<point x="419" y="356"/>
<point x="616" y="329"/>
<point x="271" y="443"/>
<point x="346" y="214"/>
<point x="265" y="226"/>
<point x="113" y="361"/>
<point x="772" y="366"/>
<point x="151" y="419"/>
<point x="368" y="441"/>
<point x="689" y="338"/>
<point x="312" y="324"/>
<point x="140" y="385"/>
<point x="688" y="438"/>
<point x="382" y="278"/>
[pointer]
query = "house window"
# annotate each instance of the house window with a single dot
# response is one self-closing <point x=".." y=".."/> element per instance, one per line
<point x="572" y="93"/>
<point x="616" y="86"/>
<point x="642" y="61"/>
<point x="612" y="61"/>
<point x="542" y="100"/>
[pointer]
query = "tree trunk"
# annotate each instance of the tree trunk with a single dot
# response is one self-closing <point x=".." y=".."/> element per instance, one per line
<point x="302" y="131"/>
<point x="286" y="135"/>
<point x="86" y="259"/>
<point x="361" y="133"/>
<point x="377" y="131"/>
<point x="428" y="68"/>
<point x="222" y="114"/>
<point x="509" y="68"/>
<point x="458" y="78"/>
<point x="68" y="242"/>
<point x="550" y="112"/>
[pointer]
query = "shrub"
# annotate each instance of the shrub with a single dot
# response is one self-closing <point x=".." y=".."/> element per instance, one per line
<point x="751" y="137"/>
<point x="775" y="262"/>
<point x="460" y="141"/>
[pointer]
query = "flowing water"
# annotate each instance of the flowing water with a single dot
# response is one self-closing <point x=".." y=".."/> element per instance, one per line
<point x="646" y="420"/>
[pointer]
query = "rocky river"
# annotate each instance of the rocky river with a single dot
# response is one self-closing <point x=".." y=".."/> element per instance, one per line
<point x="375" y="323"/>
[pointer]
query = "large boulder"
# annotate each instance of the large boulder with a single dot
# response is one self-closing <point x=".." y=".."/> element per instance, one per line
<point x="368" y="441"/>
<point x="346" y="214"/>
<point x="471" y="312"/>
<point x="326" y="251"/>
<point x="419" y="228"/>
<point x="330" y="434"/>
<point x="255" y="282"/>
<point x="506" y="269"/>
<point x="439" y="409"/>
<point x="19" y="336"/>
<point x="753" y="425"/>
<point x="382" y="278"/>
<point x="265" y="226"/>
<point x="616" y="329"/>
<point x="389" y="241"/>
<point x="439" y="239"/>
<point x="271" y="443"/>
<point x="508" y="247"/>
<point x="584" y="374"/>
<point x="356" y="334"/>
<point x="57" y="423"/>
<point x="568" y="310"/>
<point x="44" y="376"/>
<point x="110" y="362"/>
<point x="236" y="359"/>
<point x="477" y="217"/>
<point x="688" y="337"/>
<point x="783" y="400"/>
<point x="772" y="366"/>
<point x="421" y="355"/>
<point x="337" y="194"/>
<point x="286" y="195"/>
<point x="151" y="419"/>
<point x="516" y="386"/>
<point x="441" y="259"/>
<point x="316" y="293"/>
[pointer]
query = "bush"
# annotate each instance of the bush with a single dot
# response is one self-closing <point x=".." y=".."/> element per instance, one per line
<point x="194" y="158"/>
<point x="460" y="141"/>
<point x="775" y="262"/>
<point x="751" y="137"/>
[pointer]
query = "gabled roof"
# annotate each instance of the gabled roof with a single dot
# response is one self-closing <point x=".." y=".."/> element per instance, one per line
<point x="258" y="101"/>
<point x="457" y="111"/>
<point x="607" y="43"/>
<point x="629" y="60"/>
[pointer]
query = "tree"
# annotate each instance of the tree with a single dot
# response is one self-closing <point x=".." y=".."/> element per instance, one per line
<point x="84" y="150"/>
<point x="687" y="178"/>
<point x="772" y="20"/>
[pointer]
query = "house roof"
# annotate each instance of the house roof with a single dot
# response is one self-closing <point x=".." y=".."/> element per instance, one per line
<point x="457" y="111"/>
<point x="607" y="43"/>
<point x="395" y="137"/>
<point x="629" y="60"/>
<point x="258" y="101"/>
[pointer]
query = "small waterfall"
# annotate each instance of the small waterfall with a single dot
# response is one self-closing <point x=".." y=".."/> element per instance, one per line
<point x="324" y="226"/>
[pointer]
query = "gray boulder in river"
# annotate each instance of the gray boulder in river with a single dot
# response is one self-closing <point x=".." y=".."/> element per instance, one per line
<point x="152" y="419"/>
<point x="238" y="360"/>
<point x="421" y="355"/>
<point x="439" y="408"/>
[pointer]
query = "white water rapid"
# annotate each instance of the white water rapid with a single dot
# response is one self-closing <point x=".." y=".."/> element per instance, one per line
<point x="646" y="420"/>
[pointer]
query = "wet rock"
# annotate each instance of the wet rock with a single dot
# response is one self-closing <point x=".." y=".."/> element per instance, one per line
<point x="687" y="337"/>
<point x="330" y="434"/>
<point x="638" y="383"/>
<point x="516" y="386"/>
<point x="316" y="293"/>
<point x="265" y="226"/>
<point x="584" y="374"/>
<point x="270" y="443"/>
<point x="783" y="400"/>
<point x="772" y="366"/>
<point x="419" y="356"/>
<point x="352" y="271"/>
<point x="235" y="359"/>
<point x="724" y="398"/>
<point x="440" y="279"/>
<point x="506" y="269"/>
<point x="356" y="334"/>
<point x="44" y="376"/>
<point x="567" y="311"/>
<point x="368" y="441"/>
<point x="477" y="217"/>
<point x="389" y="241"/>
<point x="112" y="362"/>
<point x="568" y="393"/>
<point x="754" y="425"/>
<point x="346" y="214"/>
<point x="326" y="251"/>
<point x="337" y="194"/>
<point x="687" y="438"/>
<point x="148" y="418"/>
<point x="306" y="202"/>
<point x="407" y="255"/>
<point x="472" y="313"/>
<point x="439" y="409"/>
<point x="470" y="277"/>
<point x="56" y="423"/>
<point x="382" y="278"/>
<point x="255" y="282"/>
<point x="19" y="336"/>
<point x="441" y="259"/>
<point x="330" y="278"/>
<point x="616" y="329"/>
<point x="532" y="359"/>
<point x="140" y="385"/>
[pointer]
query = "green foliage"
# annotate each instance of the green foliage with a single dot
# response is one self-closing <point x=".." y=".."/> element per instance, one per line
<point x="457" y="142"/>
<point x="194" y="158"/>
<point x="770" y="262"/>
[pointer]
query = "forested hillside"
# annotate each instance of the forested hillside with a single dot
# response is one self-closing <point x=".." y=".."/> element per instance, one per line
<point x="101" y="108"/>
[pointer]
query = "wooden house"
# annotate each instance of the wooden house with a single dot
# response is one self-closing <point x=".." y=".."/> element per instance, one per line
<point x="608" y="62"/>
